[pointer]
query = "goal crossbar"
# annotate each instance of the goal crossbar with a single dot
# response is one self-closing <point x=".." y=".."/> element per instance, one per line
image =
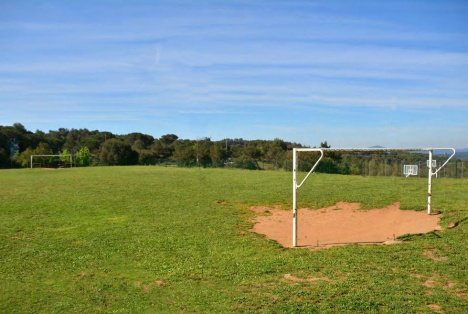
<point x="322" y="151"/>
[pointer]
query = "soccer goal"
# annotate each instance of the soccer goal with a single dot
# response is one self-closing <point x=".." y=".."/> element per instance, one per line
<point x="51" y="161"/>
<point x="431" y="172"/>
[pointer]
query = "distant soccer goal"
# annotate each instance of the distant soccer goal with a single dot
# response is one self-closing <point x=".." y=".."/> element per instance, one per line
<point x="51" y="161"/>
<point x="410" y="170"/>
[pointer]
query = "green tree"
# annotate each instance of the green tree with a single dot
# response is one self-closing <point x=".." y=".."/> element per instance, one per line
<point x="168" y="139"/>
<point x="276" y="152"/>
<point x="138" y="146"/>
<point x="4" y="158"/>
<point x="160" y="151"/>
<point x="202" y="152"/>
<point x="43" y="149"/>
<point x="83" y="157"/>
<point x="218" y="154"/>
<point x="140" y="140"/>
<point x="5" y="150"/>
<point x="163" y="148"/>
<point x="147" y="157"/>
<point x="117" y="152"/>
<point x="246" y="163"/>
<point x="251" y="155"/>
<point x="24" y="158"/>
<point x="184" y="153"/>
<point x="65" y="156"/>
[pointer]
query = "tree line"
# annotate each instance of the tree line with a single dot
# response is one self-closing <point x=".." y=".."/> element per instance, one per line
<point x="95" y="147"/>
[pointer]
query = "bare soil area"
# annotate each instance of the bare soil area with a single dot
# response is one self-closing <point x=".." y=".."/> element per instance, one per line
<point x="343" y="223"/>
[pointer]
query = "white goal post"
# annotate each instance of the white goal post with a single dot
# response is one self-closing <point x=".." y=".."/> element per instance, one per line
<point x="296" y="185"/>
<point x="69" y="156"/>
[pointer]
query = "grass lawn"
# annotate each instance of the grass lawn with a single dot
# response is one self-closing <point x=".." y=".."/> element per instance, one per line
<point x="155" y="240"/>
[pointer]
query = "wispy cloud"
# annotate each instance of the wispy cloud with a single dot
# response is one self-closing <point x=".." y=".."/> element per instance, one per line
<point x="195" y="67"/>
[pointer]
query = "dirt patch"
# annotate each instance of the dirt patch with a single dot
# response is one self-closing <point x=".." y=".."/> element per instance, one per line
<point x="149" y="286"/>
<point x="436" y="308"/>
<point x="343" y="223"/>
<point x="159" y="282"/>
<point x="82" y="275"/>
<point x="431" y="254"/>
<point x="430" y="283"/>
<point x="437" y="281"/>
<point x="292" y="278"/>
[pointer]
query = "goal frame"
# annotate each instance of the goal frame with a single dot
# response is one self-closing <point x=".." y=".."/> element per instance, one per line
<point x="322" y="151"/>
<point x="66" y="155"/>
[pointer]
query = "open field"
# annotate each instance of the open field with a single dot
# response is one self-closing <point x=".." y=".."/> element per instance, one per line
<point x="154" y="239"/>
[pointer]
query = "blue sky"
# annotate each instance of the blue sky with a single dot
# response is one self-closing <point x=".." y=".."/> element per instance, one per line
<point x="354" y="73"/>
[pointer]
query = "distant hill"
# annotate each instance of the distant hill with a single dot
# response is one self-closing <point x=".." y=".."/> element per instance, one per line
<point x="462" y="153"/>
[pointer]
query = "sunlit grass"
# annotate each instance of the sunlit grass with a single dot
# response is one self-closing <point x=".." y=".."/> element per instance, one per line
<point x="154" y="239"/>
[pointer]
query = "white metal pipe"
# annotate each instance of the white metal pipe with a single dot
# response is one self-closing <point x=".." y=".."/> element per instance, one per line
<point x="50" y="155"/>
<point x="374" y="149"/>
<point x="313" y="168"/>
<point x="448" y="159"/>
<point x="322" y="150"/>
<point x="296" y="187"/>
<point x="429" y="184"/>
<point x="294" y="225"/>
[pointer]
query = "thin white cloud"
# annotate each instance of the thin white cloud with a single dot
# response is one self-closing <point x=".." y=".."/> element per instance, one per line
<point x="185" y="60"/>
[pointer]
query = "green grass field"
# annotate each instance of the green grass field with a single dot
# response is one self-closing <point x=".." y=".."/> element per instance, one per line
<point x="156" y="240"/>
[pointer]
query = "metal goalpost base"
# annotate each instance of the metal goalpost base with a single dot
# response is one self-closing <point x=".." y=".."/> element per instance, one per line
<point x="296" y="186"/>
<point x="70" y="156"/>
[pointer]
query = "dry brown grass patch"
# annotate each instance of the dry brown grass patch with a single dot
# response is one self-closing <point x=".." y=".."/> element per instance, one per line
<point x="293" y="278"/>
<point x="433" y="255"/>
